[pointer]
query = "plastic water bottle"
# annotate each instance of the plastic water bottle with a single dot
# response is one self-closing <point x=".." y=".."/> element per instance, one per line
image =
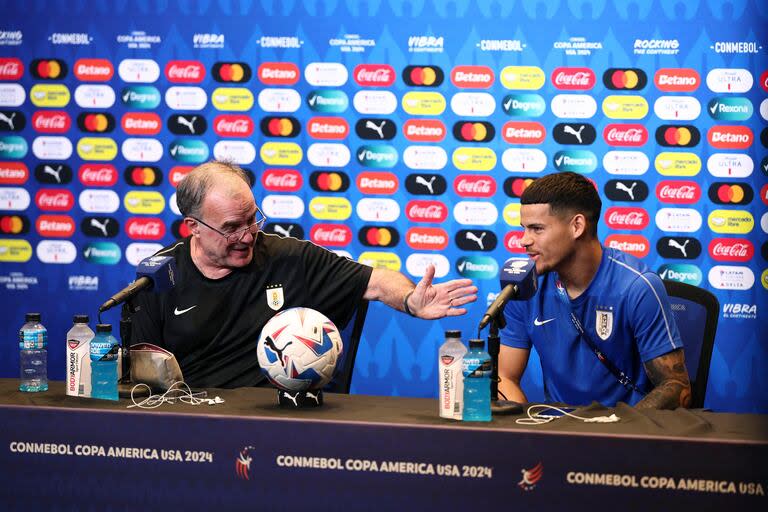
<point x="477" y="382"/>
<point x="33" y="354"/>
<point x="104" y="350"/>
<point x="450" y="355"/>
<point x="78" y="372"/>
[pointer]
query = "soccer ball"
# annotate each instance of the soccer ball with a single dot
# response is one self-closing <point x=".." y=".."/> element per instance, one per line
<point x="298" y="349"/>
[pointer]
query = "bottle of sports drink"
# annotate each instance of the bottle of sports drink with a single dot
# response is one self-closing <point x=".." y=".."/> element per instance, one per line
<point x="477" y="382"/>
<point x="104" y="349"/>
<point x="451" y="380"/>
<point x="78" y="372"/>
<point x="33" y="354"/>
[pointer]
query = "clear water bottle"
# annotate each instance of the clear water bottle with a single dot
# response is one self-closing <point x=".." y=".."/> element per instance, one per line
<point x="78" y="372"/>
<point x="450" y="356"/>
<point x="477" y="382"/>
<point x="104" y="349"/>
<point x="33" y="354"/>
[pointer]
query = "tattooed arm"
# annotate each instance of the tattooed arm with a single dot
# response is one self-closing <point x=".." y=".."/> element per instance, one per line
<point x="672" y="388"/>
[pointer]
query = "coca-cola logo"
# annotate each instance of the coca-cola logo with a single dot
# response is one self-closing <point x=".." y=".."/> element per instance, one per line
<point x="625" y="134"/>
<point x="141" y="123"/>
<point x="377" y="183"/>
<point x="94" y="70"/>
<point x="426" y="211"/>
<point x="177" y="174"/>
<point x="55" y="226"/>
<point x="278" y="73"/>
<point x="57" y="200"/>
<point x="97" y="175"/>
<point x="51" y="121"/>
<point x="328" y="128"/>
<point x="281" y="180"/>
<point x="513" y="242"/>
<point x="476" y="77"/>
<point x="731" y="249"/>
<point x="621" y="217"/>
<point x="678" y="192"/>
<point x="185" y="71"/>
<point x="430" y="239"/>
<point x="141" y="228"/>
<point x="11" y="68"/>
<point x="374" y="75"/>
<point x="467" y="185"/>
<point x="334" y="235"/>
<point x="573" y="79"/>
<point x="231" y="125"/>
<point x="636" y="245"/>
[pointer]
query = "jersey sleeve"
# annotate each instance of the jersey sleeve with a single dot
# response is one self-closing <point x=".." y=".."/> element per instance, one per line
<point x="653" y="323"/>
<point x="146" y="325"/>
<point x="515" y="334"/>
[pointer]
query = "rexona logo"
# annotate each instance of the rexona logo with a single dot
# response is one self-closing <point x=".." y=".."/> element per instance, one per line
<point x="475" y="240"/>
<point x="53" y="173"/>
<point x="428" y="239"/>
<point x="633" y="191"/>
<point x="478" y="131"/>
<point x="619" y="217"/>
<point x="524" y="132"/>
<point x="477" y="267"/>
<point x="326" y="181"/>
<point x="96" y="122"/>
<point x="472" y="77"/>
<point x="328" y="101"/>
<point x="377" y="183"/>
<point x="56" y="200"/>
<point x="11" y="68"/>
<point x="185" y="71"/>
<point x="144" y="202"/>
<point x="581" y="161"/>
<point x="231" y="72"/>
<point x="468" y="185"/>
<point x="281" y="180"/>
<point x="278" y="73"/>
<point x="677" y="136"/>
<point x="141" y="123"/>
<point x="731" y="249"/>
<point x="233" y="125"/>
<point x="426" y="211"/>
<point x="636" y="245"/>
<point x="331" y="235"/>
<point x="581" y="134"/>
<point x="377" y="156"/>
<point x="100" y="227"/>
<point x="631" y="79"/>
<point x="48" y="69"/>
<point x="145" y="228"/>
<point x="280" y="126"/>
<point x="330" y="128"/>
<point x="94" y="70"/>
<point x="102" y="253"/>
<point x="14" y="224"/>
<point x="145" y="97"/>
<point x="143" y="176"/>
<point x="730" y="193"/>
<point x="425" y="184"/>
<point x="187" y="124"/>
<point x="55" y="226"/>
<point x="739" y="222"/>
<point x="374" y="75"/>
<point x="378" y="129"/>
<point x="681" y="272"/>
<point x="679" y="247"/>
<point x="189" y="151"/>
<point x="730" y="137"/>
<point x="678" y="192"/>
<point x="523" y="105"/>
<point x="13" y="173"/>
<point x="573" y="79"/>
<point x="423" y="76"/>
<point x="15" y="251"/>
<point x="632" y="135"/>
<point x="43" y="121"/>
<point x="677" y="80"/>
<point x="730" y="109"/>
<point x="424" y="130"/>
<point x="378" y="236"/>
<point x="97" y="175"/>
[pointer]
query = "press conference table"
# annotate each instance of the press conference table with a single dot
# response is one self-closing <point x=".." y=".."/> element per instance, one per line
<point x="367" y="453"/>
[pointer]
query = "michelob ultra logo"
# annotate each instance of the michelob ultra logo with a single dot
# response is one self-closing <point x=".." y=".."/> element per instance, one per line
<point x="378" y="209"/>
<point x="738" y="222"/>
<point x="49" y="95"/>
<point x="525" y="160"/>
<point x="677" y="164"/>
<point x="102" y="253"/>
<point x="232" y="99"/>
<point x="13" y="146"/>
<point x="323" y="154"/>
<point x="144" y="202"/>
<point x="377" y="156"/>
<point x="523" y="105"/>
<point x="145" y="97"/>
<point x="730" y="165"/>
<point x="474" y="159"/>
<point x="681" y="272"/>
<point x="330" y="208"/>
<point x="576" y="160"/>
<point x="142" y="150"/>
<point x="625" y="107"/>
<point x="14" y="198"/>
<point x="677" y="80"/>
<point x="328" y="101"/>
<point x="530" y="78"/>
<point x="189" y="151"/>
<point x="730" y="137"/>
<point x="477" y="267"/>
<point x="388" y="260"/>
<point x="97" y="148"/>
<point x="416" y="264"/>
<point x="56" y="251"/>
<point x="281" y="153"/>
<point x="15" y="251"/>
<point x="677" y="108"/>
<point x="419" y="103"/>
<point x="473" y="104"/>
<point x="138" y="70"/>
<point x="729" y="80"/>
<point x="730" y="109"/>
<point x="279" y="100"/>
<point x="94" y="96"/>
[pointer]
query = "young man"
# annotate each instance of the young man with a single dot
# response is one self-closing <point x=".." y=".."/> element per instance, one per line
<point x="232" y="279"/>
<point x="618" y="302"/>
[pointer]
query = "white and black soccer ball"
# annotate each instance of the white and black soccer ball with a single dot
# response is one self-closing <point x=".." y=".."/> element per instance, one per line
<point x="298" y="349"/>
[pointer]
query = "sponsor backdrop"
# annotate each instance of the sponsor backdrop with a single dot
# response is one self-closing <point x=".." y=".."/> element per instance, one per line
<point x="398" y="133"/>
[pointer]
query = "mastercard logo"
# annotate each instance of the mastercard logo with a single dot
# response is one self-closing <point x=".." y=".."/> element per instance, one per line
<point x="280" y="126"/>
<point x="478" y="131"/>
<point x="372" y="236"/>
<point x="325" y="181"/>
<point x="730" y="193"/>
<point x="96" y="122"/>
<point x="423" y="76"/>
<point x="631" y="79"/>
<point x="48" y="69"/>
<point x="14" y="224"/>
<point x="686" y="136"/>
<point x="231" y="72"/>
<point x="143" y="176"/>
<point x="514" y="187"/>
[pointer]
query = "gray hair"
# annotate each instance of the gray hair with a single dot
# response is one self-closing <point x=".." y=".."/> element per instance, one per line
<point x="192" y="190"/>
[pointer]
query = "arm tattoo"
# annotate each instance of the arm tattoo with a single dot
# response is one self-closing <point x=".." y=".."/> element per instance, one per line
<point x="672" y="388"/>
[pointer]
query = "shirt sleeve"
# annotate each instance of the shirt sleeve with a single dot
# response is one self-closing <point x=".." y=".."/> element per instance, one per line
<point x="515" y="334"/>
<point x="146" y="325"/>
<point x="653" y="323"/>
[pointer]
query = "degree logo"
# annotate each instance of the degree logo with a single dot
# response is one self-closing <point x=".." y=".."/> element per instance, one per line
<point x="53" y="173"/>
<point x="278" y="73"/>
<point x="429" y="239"/>
<point x="143" y="176"/>
<point x="677" y="80"/>
<point x="97" y="175"/>
<point x="472" y="77"/>
<point x="523" y="77"/>
<point x="630" y="79"/>
<point x="329" y="181"/>
<point x="678" y="247"/>
<point x="636" y="245"/>
<point x="523" y="132"/>
<point x="378" y="129"/>
<point x="418" y="103"/>
<point x="55" y="226"/>
<point x="423" y="76"/>
<point x="102" y="253"/>
<point x="185" y="71"/>
<point x="523" y="105"/>
<point x="144" y="202"/>
<point x="14" y="225"/>
<point x="330" y="208"/>
<point x="581" y="134"/>
<point x="15" y="251"/>
<point x="96" y="122"/>
<point x="11" y="68"/>
<point x="97" y="148"/>
<point x="281" y="180"/>
<point x="333" y="128"/>
<point x="478" y="131"/>
<point x="49" y="95"/>
<point x="730" y="193"/>
<point x="573" y="79"/>
<point x="48" y="69"/>
<point x="681" y="136"/>
<point x="378" y="236"/>
<point x="13" y="173"/>
<point x="100" y="227"/>
<point x="15" y="121"/>
<point x="43" y="121"/>
<point x="474" y="159"/>
<point x="681" y="272"/>
<point x="730" y="109"/>
<point x="374" y="75"/>
<point x="280" y="126"/>
<point x="144" y="97"/>
<point x="232" y="99"/>
<point x="231" y="72"/>
<point x="94" y="70"/>
<point x="730" y="137"/>
<point x="377" y="183"/>
<point x="377" y="156"/>
<point x="141" y="123"/>
<point x="328" y="101"/>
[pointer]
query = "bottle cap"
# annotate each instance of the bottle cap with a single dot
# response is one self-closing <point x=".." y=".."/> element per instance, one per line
<point x="453" y="334"/>
<point x="477" y="343"/>
<point x="103" y="327"/>
<point x="80" y="319"/>
<point x="32" y="317"/>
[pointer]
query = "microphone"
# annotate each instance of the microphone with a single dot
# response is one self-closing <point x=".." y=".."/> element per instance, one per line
<point x="518" y="282"/>
<point x="157" y="273"/>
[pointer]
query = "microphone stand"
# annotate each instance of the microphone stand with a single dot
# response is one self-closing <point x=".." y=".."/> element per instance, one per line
<point x="498" y="407"/>
<point x="125" y="384"/>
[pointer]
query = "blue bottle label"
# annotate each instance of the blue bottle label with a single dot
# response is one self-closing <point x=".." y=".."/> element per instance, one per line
<point x="33" y="339"/>
<point x="475" y="367"/>
<point x="103" y="350"/>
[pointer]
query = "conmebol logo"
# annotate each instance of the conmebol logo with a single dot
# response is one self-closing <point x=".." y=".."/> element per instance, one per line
<point x="281" y="180"/>
<point x="185" y="71"/>
<point x="333" y="235"/>
<point x="626" y="218"/>
<point x="731" y="249"/>
<point x="678" y="192"/>
<point x="636" y="245"/>
<point x="573" y="79"/>
<point x="278" y="73"/>
<point x="374" y="75"/>
<point x="625" y="135"/>
<point x="426" y="211"/>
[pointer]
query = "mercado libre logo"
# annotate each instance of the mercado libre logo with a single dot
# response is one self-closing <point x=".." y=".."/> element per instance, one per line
<point x="243" y="463"/>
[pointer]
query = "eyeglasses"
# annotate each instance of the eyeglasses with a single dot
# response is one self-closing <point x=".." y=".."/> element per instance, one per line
<point x="233" y="238"/>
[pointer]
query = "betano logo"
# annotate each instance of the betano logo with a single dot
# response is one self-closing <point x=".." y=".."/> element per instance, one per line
<point x="97" y="148"/>
<point x="49" y="95"/>
<point x="523" y="132"/>
<point x="141" y="123"/>
<point x="144" y="202"/>
<point x="388" y="260"/>
<point x="636" y="245"/>
<point x="232" y="99"/>
<point x="377" y="183"/>
<point x="13" y="173"/>
<point x="472" y="77"/>
<point x="15" y="251"/>
<point x="677" y="80"/>
<point x="625" y="107"/>
<point x="330" y="208"/>
<point x="429" y="239"/>
<point x="94" y="70"/>
<point x="424" y="130"/>
<point x="418" y="103"/>
<point x="55" y="226"/>
<point x="736" y="222"/>
<point x="677" y="164"/>
<point x="278" y="73"/>
<point x="474" y="159"/>
<point x="529" y="78"/>
<point x="328" y="128"/>
<point x="730" y="137"/>
<point x="523" y="105"/>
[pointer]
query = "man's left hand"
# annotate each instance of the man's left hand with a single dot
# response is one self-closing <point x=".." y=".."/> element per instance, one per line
<point x="430" y="301"/>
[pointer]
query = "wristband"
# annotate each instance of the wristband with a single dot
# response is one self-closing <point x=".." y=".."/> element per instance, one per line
<point x="405" y="303"/>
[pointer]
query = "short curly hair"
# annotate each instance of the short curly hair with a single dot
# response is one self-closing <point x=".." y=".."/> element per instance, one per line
<point x="566" y="192"/>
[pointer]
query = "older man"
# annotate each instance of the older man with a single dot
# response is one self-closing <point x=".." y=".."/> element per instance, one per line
<point x="233" y="278"/>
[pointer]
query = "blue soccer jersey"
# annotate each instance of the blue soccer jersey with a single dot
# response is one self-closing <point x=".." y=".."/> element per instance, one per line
<point x="626" y="312"/>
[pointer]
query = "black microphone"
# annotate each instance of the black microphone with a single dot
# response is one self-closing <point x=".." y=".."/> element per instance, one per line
<point x="157" y="273"/>
<point x="518" y="282"/>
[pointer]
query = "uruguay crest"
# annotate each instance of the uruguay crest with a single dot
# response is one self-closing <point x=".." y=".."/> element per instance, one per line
<point x="604" y="322"/>
<point x="275" y="297"/>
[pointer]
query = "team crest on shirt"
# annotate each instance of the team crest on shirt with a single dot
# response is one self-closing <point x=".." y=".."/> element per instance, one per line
<point x="604" y="322"/>
<point x="275" y="297"/>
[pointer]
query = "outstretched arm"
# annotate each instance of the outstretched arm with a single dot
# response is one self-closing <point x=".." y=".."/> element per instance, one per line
<point x="425" y="300"/>
<point x="672" y="388"/>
